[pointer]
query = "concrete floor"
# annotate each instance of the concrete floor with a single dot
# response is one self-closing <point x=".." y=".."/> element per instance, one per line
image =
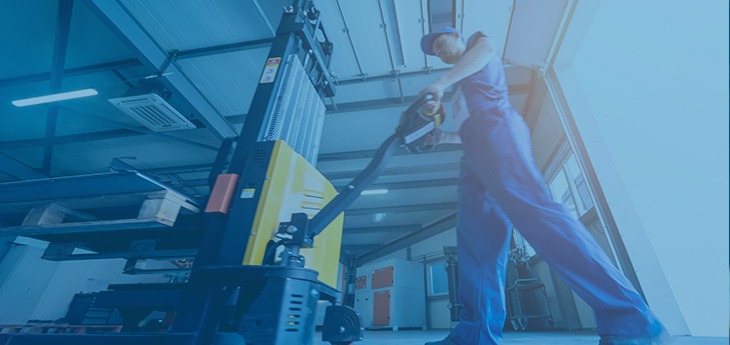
<point x="511" y="338"/>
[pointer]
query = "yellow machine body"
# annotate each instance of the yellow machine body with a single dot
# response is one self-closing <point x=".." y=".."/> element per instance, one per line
<point x="292" y="185"/>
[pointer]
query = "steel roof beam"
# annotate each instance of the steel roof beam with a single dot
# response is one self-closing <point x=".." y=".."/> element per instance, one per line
<point x="401" y="151"/>
<point x="446" y="182"/>
<point x="102" y="67"/>
<point x="225" y="48"/>
<point x="401" y="209"/>
<point x="360" y="247"/>
<point x="120" y="21"/>
<point x="381" y="229"/>
<point x="398" y="102"/>
<point x="69" y="139"/>
<point x="413" y="169"/>
<point x="60" y="45"/>
<point x="400" y="75"/>
<point x="17" y="169"/>
<point x="444" y="224"/>
<point x="389" y="76"/>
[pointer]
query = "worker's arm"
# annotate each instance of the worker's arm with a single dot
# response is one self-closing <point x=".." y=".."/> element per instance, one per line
<point x="440" y="137"/>
<point x="450" y="138"/>
<point x="473" y="60"/>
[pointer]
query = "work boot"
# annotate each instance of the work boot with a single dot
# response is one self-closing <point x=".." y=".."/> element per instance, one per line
<point x="662" y="339"/>
<point x="445" y="341"/>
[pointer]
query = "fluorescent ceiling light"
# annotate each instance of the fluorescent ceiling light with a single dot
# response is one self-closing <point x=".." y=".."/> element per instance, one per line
<point x="374" y="191"/>
<point x="55" y="97"/>
<point x="378" y="217"/>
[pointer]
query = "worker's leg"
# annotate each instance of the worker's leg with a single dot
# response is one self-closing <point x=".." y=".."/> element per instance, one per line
<point x="482" y="241"/>
<point x="499" y="151"/>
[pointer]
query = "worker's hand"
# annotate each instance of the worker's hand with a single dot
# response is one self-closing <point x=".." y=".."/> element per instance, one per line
<point x="431" y="107"/>
<point x="436" y="89"/>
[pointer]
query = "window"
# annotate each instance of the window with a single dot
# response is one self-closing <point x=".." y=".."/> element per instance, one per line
<point x="568" y="185"/>
<point x="438" y="281"/>
<point x="560" y="189"/>
<point x="576" y="177"/>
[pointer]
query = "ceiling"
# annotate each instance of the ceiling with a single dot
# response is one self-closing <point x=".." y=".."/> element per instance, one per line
<point x="208" y="56"/>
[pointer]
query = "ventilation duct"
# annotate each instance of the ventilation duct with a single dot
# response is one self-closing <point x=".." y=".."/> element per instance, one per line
<point x="153" y="112"/>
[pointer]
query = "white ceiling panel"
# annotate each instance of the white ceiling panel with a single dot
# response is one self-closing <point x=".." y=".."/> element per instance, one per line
<point x="412" y="27"/>
<point x="534" y="27"/>
<point x="86" y="35"/>
<point x="27" y="49"/>
<point x="414" y="84"/>
<point x="370" y="90"/>
<point x="30" y="156"/>
<point x="344" y="64"/>
<point x="6" y="178"/>
<point x="228" y="81"/>
<point x="189" y="24"/>
<point x="489" y="17"/>
<point x="394" y="218"/>
<point x="362" y="130"/>
<point x="368" y="36"/>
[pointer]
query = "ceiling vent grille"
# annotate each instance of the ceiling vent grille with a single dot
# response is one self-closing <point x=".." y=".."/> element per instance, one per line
<point x="153" y="112"/>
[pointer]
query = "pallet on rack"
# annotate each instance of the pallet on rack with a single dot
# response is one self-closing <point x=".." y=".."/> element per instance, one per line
<point x="121" y="214"/>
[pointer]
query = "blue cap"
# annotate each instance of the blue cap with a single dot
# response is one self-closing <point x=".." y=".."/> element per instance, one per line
<point x="427" y="41"/>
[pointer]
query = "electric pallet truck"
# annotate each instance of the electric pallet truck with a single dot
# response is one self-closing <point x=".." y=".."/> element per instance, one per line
<point x="418" y="125"/>
<point x="274" y="302"/>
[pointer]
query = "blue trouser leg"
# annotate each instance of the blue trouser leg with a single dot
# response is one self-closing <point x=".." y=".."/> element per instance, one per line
<point x="497" y="150"/>
<point x="483" y="241"/>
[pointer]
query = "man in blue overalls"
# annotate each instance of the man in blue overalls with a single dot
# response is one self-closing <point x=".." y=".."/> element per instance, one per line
<point x="500" y="187"/>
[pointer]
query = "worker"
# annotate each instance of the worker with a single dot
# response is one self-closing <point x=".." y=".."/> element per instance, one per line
<point x="500" y="186"/>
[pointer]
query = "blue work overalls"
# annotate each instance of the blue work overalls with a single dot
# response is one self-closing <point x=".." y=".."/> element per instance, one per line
<point x="501" y="186"/>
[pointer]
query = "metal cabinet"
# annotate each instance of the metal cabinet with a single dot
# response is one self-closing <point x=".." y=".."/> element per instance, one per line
<point x="391" y="294"/>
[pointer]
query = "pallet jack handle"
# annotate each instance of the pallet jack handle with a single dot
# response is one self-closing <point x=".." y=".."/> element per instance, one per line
<point x="366" y="177"/>
<point x="300" y="231"/>
<point x="353" y="189"/>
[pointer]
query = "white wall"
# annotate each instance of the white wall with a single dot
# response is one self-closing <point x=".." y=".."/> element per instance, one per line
<point x="647" y="84"/>
<point x="33" y="288"/>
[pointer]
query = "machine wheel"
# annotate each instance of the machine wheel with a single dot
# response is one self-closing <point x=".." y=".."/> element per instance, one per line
<point x="341" y="343"/>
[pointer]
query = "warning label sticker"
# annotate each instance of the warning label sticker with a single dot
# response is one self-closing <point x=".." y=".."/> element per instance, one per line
<point x="248" y="193"/>
<point x="272" y="66"/>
